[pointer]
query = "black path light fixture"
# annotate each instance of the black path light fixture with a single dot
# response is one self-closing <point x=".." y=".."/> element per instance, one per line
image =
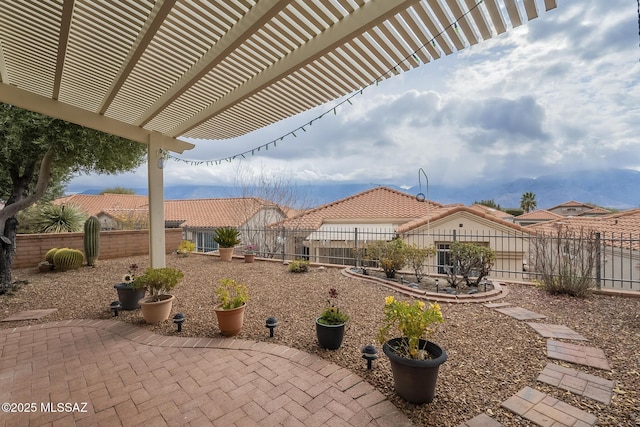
<point x="179" y="319"/>
<point x="369" y="353"/>
<point x="271" y="324"/>
<point x="115" y="307"/>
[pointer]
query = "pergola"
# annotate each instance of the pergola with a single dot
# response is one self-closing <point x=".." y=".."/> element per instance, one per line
<point x="154" y="71"/>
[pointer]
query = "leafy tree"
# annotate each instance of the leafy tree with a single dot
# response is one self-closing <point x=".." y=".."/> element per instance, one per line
<point x="528" y="202"/>
<point x="37" y="152"/>
<point x="489" y="203"/>
<point x="117" y="190"/>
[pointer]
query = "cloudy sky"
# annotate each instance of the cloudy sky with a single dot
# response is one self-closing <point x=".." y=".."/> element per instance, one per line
<point x="560" y="93"/>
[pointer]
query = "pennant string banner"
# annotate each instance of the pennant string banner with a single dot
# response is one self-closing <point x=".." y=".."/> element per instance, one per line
<point x="392" y="71"/>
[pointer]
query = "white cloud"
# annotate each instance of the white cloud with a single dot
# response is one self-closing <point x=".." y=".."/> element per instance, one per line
<point x="559" y="93"/>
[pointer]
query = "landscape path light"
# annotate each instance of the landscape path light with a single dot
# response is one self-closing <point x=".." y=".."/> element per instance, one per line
<point x="115" y="307"/>
<point x="179" y="319"/>
<point x="369" y="353"/>
<point x="272" y="323"/>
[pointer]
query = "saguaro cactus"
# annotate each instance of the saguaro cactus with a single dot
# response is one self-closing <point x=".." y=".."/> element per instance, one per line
<point x="92" y="240"/>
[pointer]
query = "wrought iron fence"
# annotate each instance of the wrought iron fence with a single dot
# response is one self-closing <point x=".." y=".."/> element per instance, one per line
<point x="617" y="256"/>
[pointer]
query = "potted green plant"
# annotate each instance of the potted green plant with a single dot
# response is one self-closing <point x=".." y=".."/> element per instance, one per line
<point x="158" y="282"/>
<point x="249" y="253"/>
<point x="226" y="238"/>
<point x="232" y="299"/>
<point x="129" y="295"/>
<point x="330" y="325"/>
<point x="414" y="359"/>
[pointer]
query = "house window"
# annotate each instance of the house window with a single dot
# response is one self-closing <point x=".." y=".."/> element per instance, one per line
<point x="443" y="257"/>
<point x="204" y="241"/>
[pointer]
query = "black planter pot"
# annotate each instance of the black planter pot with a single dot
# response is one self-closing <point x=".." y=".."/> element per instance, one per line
<point x="415" y="380"/>
<point x="129" y="296"/>
<point x="329" y="336"/>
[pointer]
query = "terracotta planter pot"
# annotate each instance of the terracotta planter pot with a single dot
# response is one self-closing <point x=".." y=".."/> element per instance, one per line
<point x="249" y="258"/>
<point x="157" y="311"/>
<point x="128" y="296"/>
<point x="230" y="321"/>
<point x="225" y="254"/>
<point x="415" y="380"/>
<point x="329" y="336"/>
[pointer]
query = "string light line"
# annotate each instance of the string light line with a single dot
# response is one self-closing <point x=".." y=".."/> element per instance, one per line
<point x="302" y="128"/>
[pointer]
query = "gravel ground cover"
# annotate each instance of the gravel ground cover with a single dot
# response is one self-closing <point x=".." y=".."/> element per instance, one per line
<point x="491" y="356"/>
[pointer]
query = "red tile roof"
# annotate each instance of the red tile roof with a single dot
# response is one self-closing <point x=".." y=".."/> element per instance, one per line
<point x="379" y="204"/>
<point x="572" y="204"/>
<point x="93" y="204"/>
<point x="539" y="215"/>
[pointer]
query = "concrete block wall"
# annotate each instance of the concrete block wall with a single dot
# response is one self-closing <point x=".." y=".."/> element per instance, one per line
<point x="31" y="248"/>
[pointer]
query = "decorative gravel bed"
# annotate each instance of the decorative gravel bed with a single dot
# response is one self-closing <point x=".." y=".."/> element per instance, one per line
<point x="491" y="356"/>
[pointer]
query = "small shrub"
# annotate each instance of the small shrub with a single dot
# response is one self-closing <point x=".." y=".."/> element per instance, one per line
<point x="299" y="266"/>
<point x="186" y="247"/>
<point x="416" y="257"/>
<point x="390" y="256"/>
<point x="231" y="293"/>
<point x="469" y="259"/>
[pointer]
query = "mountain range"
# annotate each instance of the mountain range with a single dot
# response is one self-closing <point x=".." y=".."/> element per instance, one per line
<point x="611" y="188"/>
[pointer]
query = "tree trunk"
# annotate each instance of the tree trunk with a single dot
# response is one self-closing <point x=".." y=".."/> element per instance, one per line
<point x="7" y="251"/>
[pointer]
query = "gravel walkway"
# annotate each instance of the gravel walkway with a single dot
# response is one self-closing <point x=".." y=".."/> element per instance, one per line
<point x="491" y="356"/>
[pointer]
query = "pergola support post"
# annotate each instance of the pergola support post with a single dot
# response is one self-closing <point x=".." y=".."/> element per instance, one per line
<point x="155" y="162"/>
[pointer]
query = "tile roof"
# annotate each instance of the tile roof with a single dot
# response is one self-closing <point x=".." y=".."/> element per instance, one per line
<point x="572" y="204"/>
<point x="93" y="204"/>
<point x="379" y="203"/>
<point x="538" y="215"/>
<point x="447" y="210"/>
<point x="203" y="213"/>
<point x="492" y="211"/>
<point x="596" y="211"/>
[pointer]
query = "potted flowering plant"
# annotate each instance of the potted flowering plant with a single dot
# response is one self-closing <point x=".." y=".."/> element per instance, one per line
<point x="232" y="299"/>
<point x="249" y="253"/>
<point x="330" y="324"/>
<point x="414" y="359"/>
<point x="128" y="295"/>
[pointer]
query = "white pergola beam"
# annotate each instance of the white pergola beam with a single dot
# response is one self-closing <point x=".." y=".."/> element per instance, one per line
<point x="30" y="101"/>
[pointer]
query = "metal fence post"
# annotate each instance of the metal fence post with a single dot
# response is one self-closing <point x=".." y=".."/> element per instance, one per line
<point x="598" y="262"/>
<point x="355" y="252"/>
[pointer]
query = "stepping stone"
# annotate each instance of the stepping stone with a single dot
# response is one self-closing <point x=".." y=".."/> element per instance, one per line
<point x="30" y="315"/>
<point x="482" y="420"/>
<point x="547" y="411"/>
<point x="577" y="382"/>
<point x="556" y="331"/>
<point x="498" y="304"/>
<point x="520" y="313"/>
<point x="581" y="355"/>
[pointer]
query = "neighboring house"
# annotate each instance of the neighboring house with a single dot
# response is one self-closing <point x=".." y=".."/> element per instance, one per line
<point x="200" y="218"/>
<point x="492" y="211"/>
<point x="619" y="244"/>
<point x="535" y="217"/>
<point x="573" y="208"/>
<point x="509" y="241"/>
<point x="329" y="233"/>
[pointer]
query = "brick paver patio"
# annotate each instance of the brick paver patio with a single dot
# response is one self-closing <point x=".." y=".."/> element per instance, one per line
<point x="556" y="331"/>
<point x="547" y="411"/>
<point x="581" y="355"/>
<point x="128" y="376"/>
<point x="482" y="420"/>
<point x="577" y="382"/>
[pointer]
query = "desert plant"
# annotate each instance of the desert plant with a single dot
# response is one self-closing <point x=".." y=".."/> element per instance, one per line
<point x="67" y="259"/>
<point x="299" y="266"/>
<point x="59" y="219"/>
<point x="92" y="240"/>
<point x="390" y="255"/>
<point x="227" y="237"/>
<point x="416" y="258"/>
<point x="50" y="254"/>
<point x="231" y="294"/>
<point x="186" y="247"/>
<point x="564" y="261"/>
<point x="158" y="281"/>
<point x="469" y="260"/>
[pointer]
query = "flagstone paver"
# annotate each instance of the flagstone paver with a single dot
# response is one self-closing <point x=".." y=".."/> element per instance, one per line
<point x="109" y="369"/>
<point x="30" y="315"/>
<point x="577" y="382"/>
<point x="556" y="331"/>
<point x="482" y="420"/>
<point x="581" y="355"/>
<point x="520" y="313"/>
<point x="547" y="411"/>
<point x="498" y="304"/>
